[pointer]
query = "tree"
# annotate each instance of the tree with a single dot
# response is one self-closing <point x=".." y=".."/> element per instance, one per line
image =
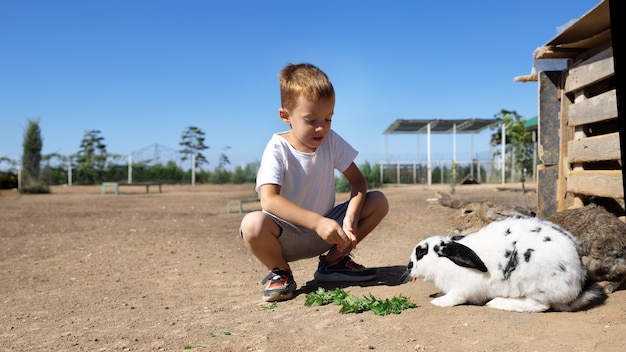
<point x="91" y="158"/>
<point x="518" y="138"/>
<point x="58" y="174"/>
<point x="193" y="144"/>
<point x="6" y="159"/>
<point x="224" y="159"/>
<point x="31" y="159"/>
<point x="32" y="146"/>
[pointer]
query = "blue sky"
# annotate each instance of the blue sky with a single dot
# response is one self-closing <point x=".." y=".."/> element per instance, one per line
<point x="142" y="71"/>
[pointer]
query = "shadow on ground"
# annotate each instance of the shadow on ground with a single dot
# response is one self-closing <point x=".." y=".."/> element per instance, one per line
<point x="387" y="276"/>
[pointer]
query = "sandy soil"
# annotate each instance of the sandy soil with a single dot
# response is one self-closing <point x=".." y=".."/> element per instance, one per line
<point x="82" y="271"/>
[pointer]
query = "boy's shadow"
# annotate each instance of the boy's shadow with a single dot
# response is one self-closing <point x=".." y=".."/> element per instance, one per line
<point x="386" y="276"/>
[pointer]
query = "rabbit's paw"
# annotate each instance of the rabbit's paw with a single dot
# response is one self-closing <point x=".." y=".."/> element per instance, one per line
<point x="448" y="300"/>
<point x="518" y="304"/>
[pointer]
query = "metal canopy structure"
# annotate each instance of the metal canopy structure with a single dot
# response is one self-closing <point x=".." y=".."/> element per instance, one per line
<point x="443" y="126"/>
<point x="401" y="126"/>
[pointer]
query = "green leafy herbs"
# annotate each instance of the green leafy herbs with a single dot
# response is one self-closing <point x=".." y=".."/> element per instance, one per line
<point x="192" y="346"/>
<point x="352" y="304"/>
<point x="269" y="306"/>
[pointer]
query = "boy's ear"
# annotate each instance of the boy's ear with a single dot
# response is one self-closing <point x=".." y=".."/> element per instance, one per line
<point x="284" y="115"/>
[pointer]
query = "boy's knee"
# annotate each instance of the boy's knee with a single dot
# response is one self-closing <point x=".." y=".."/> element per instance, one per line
<point x="249" y="225"/>
<point x="380" y="201"/>
<point x="256" y="225"/>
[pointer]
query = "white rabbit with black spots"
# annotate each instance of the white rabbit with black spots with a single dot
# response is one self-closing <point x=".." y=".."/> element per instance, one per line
<point x="517" y="264"/>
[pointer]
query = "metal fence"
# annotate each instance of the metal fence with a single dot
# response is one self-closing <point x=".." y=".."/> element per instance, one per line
<point x="450" y="172"/>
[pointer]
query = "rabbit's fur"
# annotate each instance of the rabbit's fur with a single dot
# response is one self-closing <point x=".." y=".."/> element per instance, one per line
<point x="518" y="264"/>
<point x="599" y="233"/>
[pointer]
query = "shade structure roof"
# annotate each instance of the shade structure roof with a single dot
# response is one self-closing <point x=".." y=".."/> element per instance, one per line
<point x="401" y="126"/>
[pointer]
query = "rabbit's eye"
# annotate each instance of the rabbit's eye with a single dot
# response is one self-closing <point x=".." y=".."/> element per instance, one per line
<point x="467" y="211"/>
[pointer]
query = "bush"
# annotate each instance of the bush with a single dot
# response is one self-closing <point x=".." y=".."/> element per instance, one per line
<point x="35" y="189"/>
<point x="8" y="180"/>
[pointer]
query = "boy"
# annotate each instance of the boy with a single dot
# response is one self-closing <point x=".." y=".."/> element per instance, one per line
<point x="296" y="185"/>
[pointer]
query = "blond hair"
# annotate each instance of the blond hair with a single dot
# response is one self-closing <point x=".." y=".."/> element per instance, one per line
<point x="303" y="80"/>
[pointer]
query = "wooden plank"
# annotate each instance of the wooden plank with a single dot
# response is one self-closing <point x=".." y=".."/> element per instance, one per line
<point x="566" y="133"/>
<point x="590" y="71"/>
<point x="604" y="147"/>
<point x="617" y="26"/>
<point x="549" y="107"/>
<point x="601" y="183"/>
<point x="602" y="107"/>
<point x="547" y="177"/>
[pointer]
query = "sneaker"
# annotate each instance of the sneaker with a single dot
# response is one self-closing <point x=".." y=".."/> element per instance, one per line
<point x="280" y="287"/>
<point x="343" y="269"/>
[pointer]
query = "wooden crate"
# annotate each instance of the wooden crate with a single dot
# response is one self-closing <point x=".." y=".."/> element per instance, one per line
<point x="579" y="141"/>
<point x="592" y="155"/>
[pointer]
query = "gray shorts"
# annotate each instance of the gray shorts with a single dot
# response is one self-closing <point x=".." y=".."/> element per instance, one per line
<point x="299" y="243"/>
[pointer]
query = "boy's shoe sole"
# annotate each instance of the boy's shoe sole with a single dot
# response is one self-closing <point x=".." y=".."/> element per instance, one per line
<point x="276" y="296"/>
<point x="344" y="270"/>
<point x="280" y="292"/>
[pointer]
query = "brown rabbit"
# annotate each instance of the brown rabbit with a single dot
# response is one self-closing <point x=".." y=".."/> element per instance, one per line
<point x="599" y="233"/>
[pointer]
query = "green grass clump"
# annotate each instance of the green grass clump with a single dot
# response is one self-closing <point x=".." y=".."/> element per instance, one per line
<point x="352" y="304"/>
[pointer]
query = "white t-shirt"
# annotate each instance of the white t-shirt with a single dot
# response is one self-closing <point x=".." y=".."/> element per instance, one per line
<point x="306" y="179"/>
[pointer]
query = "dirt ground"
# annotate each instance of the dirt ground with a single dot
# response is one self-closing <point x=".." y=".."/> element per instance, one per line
<point x="82" y="271"/>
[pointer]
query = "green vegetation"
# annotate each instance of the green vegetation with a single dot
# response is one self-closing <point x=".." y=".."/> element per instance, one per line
<point x="92" y="164"/>
<point x="518" y="141"/>
<point x="371" y="173"/>
<point x="193" y="145"/>
<point x="31" y="159"/>
<point x="192" y="346"/>
<point x="269" y="306"/>
<point x="352" y="304"/>
<point x="92" y="158"/>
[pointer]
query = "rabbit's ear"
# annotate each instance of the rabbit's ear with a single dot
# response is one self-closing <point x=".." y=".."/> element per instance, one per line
<point x="462" y="255"/>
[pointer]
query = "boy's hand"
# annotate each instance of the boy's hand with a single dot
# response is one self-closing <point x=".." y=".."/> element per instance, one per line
<point x="349" y="228"/>
<point x="330" y="231"/>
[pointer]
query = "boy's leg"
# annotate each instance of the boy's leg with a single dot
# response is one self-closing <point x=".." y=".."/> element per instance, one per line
<point x="259" y="233"/>
<point x="338" y="266"/>
<point x="373" y="212"/>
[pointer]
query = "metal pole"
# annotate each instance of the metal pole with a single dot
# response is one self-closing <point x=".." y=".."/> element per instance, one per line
<point x="130" y="168"/>
<point x="193" y="170"/>
<point x="454" y="166"/>
<point x="428" y="161"/>
<point x="69" y="174"/>
<point x="503" y="152"/>
<point x="454" y="142"/>
<point x="472" y="157"/>
<point x="398" y="171"/>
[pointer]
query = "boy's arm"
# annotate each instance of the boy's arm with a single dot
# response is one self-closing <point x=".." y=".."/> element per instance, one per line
<point x="328" y="229"/>
<point x="358" y="191"/>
